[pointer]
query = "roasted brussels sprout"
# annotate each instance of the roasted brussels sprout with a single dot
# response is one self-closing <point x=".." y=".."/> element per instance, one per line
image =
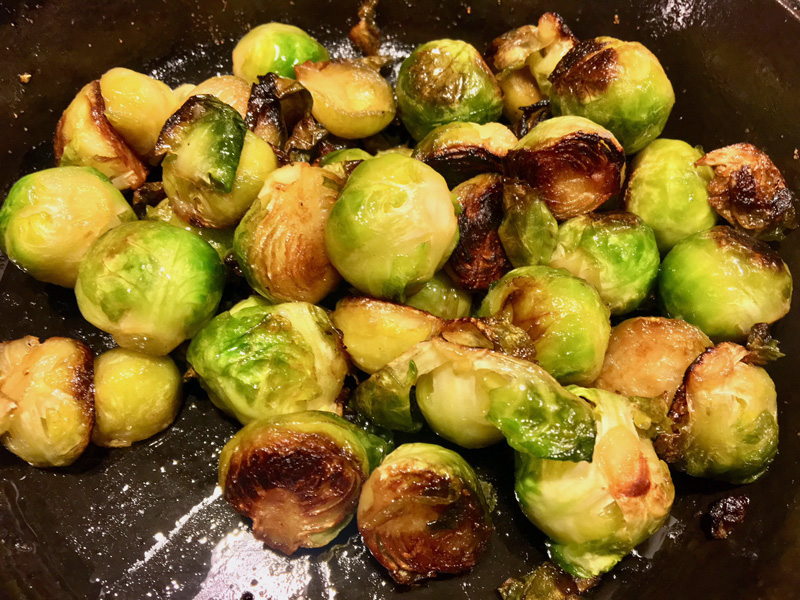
<point x="668" y="191"/>
<point x="183" y="92"/>
<point x="563" y="315"/>
<point x="443" y="81"/>
<point x="556" y="39"/>
<point x="615" y="252"/>
<point x="51" y="217"/>
<point x="546" y="582"/>
<point x="620" y="85"/>
<point x="725" y="417"/>
<point x="442" y="298"/>
<point x="596" y="512"/>
<point x="724" y="282"/>
<point x="233" y="91"/>
<point x="519" y="90"/>
<point x="135" y="396"/>
<point x="298" y="476"/>
<point x="573" y="163"/>
<point x="276" y="106"/>
<point x="529" y="230"/>
<point x="150" y="285"/>
<point x="274" y="48"/>
<point x="280" y="243"/>
<point x="424" y="512"/>
<point x="219" y="239"/>
<point x="393" y="226"/>
<point x="259" y="360"/>
<point x="48" y="387"/>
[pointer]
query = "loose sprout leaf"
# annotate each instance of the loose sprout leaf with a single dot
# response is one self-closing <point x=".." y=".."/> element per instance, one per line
<point x="762" y="348"/>
<point x="546" y="582"/>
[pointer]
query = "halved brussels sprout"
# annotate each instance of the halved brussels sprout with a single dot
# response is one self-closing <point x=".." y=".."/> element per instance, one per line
<point x="49" y="388"/>
<point x="393" y="226"/>
<point x="443" y="81"/>
<point x="51" y="217"/>
<point x="596" y="512"/>
<point x="220" y="240"/>
<point x="573" y="163"/>
<point x="233" y="91"/>
<point x="150" y="285"/>
<point x="668" y="191"/>
<point x="274" y="48"/>
<point x="564" y="316"/>
<point x="280" y="243"/>
<point x="442" y="298"/>
<point x="423" y="512"/>
<point x="615" y="252"/>
<point x="135" y="396"/>
<point x="298" y="476"/>
<point x="529" y="230"/>
<point x="725" y="417"/>
<point x="85" y="138"/>
<point x="620" y="85"/>
<point x="724" y="282"/>
<point x="259" y="360"/>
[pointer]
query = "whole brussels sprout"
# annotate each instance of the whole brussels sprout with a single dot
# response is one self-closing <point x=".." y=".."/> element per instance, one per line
<point x="529" y="230"/>
<point x="620" y="85"/>
<point x="259" y="360"/>
<point x="724" y="282"/>
<point x="135" y="396"/>
<point x="422" y="512"/>
<point x="442" y="298"/>
<point x="564" y="316"/>
<point x="150" y="285"/>
<point x="51" y="217"/>
<point x="443" y="81"/>
<point x="615" y="252"/>
<point x="596" y="512"/>
<point x="298" y="476"/>
<point x="220" y="240"/>
<point x="669" y="192"/>
<point x="393" y="226"/>
<point x="274" y="48"/>
<point x="233" y="91"/>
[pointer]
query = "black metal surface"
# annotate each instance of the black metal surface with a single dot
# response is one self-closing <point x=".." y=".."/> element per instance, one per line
<point x="145" y="522"/>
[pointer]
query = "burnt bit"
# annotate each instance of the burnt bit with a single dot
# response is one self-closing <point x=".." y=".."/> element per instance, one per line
<point x="365" y="35"/>
<point x="725" y="514"/>
<point x="531" y="116"/>
<point x="586" y="70"/>
<point x="149" y="194"/>
<point x="306" y="135"/>
<point x="82" y="383"/>
<point x="459" y="163"/>
<point x="762" y="348"/>
<point x="264" y="115"/>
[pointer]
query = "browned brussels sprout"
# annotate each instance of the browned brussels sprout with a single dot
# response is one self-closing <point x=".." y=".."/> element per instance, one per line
<point x="546" y="582"/>
<point x="519" y="90"/>
<point x="231" y="90"/>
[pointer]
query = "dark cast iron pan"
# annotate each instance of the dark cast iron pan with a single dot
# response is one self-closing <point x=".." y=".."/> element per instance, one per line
<point x="145" y="522"/>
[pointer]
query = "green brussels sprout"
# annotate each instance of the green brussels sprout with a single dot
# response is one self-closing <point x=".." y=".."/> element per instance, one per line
<point x="422" y="512"/>
<point x="725" y="417"/>
<point x="48" y="396"/>
<point x="259" y="360"/>
<point x="529" y="230"/>
<point x="443" y="81"/>
<point x="51" y="217"/>
<point x="393" y="226"/>
<point x="442" y="298"/>
<point x="669" y="192"/>
<point x="229" y="89"/>
<point x="596" y="512"/>
<point x="298" y="476"/>
<point x="274" y="48"/>
<point x="724" y="282"/>
<point x="150" y="285"/>
<point x="564" y="316"/>
<point x="575" y="164"/>
<point x="220" y="240"/>
<point x="615" y="252"/>
<point x="620" y="85"/>
<point x="135" y="396"/>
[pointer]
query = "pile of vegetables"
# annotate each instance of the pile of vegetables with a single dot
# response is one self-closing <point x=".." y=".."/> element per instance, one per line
<point x="564" y="281"/>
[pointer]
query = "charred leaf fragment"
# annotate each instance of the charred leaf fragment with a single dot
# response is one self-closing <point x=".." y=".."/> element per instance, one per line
<point x="546" y="582"/>
<point x="725" y="514"/>
<point x="762" y="348"/>
<point x="365" y="35"/>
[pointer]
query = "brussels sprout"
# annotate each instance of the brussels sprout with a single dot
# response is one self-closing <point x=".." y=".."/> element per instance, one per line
<point x="85" y="138"/>
<point x="443" y="81"/>
<point x="529" y="230"/>
<point x="615" y="252"/>
<point x="724" y="282"/>
<point x="298" y="476"/>
<point x="647" y="356"/>
<point x="557" y="40"/>
<point x="183" y="92"/>
<point x="233" y="91"/>
<point x="137" y="106"/>
<point x="257" y="360"/>
<point x="51" y="217"/>
<point x="620" y="85"/>
<point x="573" y="163"/>
<point x="725" y="417"/>
<point x="596" y="512"/>
<point x="459" y="151"/>
<point x="48" y="393"/>
<point x="442" y="298"/>
<point x="546" y="582"/>
<point x="668" y="191"/>
<point x="423" y="512"/>
<point x="280" y="242"/>
<point x="275" y="48"/>
<point x="135" y="396"/>
<point x="219" y="239"/>
<point x="393" y="226"/>
<point x="519" y="90"/>
<point x="150" y="285"/>
<point x="564" y="316"/>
